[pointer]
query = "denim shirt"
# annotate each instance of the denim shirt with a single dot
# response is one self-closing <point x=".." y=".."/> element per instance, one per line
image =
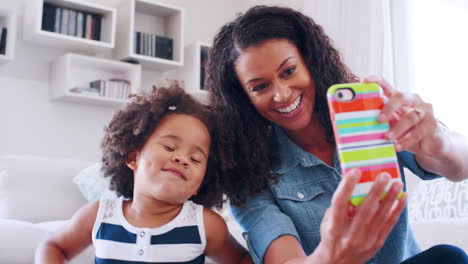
<point x="296" y="205"/>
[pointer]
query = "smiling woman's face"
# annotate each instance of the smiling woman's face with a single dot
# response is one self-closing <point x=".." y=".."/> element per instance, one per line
<point x="278" y="82"/>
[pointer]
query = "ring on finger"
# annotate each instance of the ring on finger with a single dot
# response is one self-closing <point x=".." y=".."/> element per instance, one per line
<point x="419" y="112"/>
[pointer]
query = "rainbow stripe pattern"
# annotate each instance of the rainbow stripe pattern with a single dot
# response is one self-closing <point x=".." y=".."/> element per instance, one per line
<point x="360" y="137"/>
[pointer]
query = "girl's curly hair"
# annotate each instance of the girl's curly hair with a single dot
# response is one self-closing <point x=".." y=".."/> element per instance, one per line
<point x="247" y="138"/>
<point x="131" y="126"/>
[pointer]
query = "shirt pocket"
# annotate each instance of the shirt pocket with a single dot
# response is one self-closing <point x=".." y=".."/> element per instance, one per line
<point x="305" y="204"/>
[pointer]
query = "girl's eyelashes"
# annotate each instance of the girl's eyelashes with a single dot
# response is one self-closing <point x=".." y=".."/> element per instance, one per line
<point x="195" y="160"/>
<point x="168" y="148"/>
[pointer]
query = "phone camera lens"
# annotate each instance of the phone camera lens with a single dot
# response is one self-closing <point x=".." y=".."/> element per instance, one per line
<point x="345" y="94"/>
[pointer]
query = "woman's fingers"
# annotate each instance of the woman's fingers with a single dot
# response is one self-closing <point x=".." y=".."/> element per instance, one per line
<point x="386" y="205"/>
<point x="413" y="136"/>
<point x="342" y="194"/>
<point x="397" y="106"/>
<point x="388" y="225"/>
<point x="369" y="206"/>
<point x="384" y="84"/>
<point x="407" y="122"/>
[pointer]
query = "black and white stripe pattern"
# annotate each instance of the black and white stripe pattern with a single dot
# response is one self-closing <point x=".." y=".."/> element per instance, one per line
<point x="180" y="241"/>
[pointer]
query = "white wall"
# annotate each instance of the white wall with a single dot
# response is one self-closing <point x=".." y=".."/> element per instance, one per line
<point x="32" y="124"/>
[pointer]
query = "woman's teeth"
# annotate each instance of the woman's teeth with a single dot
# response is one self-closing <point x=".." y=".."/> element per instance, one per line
<point x="291" y="107"/>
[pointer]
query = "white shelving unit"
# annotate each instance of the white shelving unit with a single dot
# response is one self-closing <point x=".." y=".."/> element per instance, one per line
<point x="33" y="31"/>
<point x="73" y="70"/>
<point x="8" y="20"/>
<point x="153" y="18"/>
<point x="191" y="72"/>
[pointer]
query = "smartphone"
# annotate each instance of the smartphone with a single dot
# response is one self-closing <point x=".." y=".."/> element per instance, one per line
<point x="359" y="137"/>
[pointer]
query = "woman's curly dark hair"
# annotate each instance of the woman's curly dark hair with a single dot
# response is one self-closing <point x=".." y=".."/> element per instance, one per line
<point x="131" y="126"/>
<point x="247" y="138"/>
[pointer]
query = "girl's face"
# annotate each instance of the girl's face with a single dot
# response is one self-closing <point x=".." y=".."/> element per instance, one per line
<point x="278" y="82"/>
<point x="171" y="164"/>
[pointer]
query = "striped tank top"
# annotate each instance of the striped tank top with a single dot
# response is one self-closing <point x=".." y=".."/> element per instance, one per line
<point x="116" y="241"/>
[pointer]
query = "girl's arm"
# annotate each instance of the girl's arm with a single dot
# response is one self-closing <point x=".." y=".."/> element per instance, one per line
<point x="220" y="245"/>
<point x="66" y="243"/>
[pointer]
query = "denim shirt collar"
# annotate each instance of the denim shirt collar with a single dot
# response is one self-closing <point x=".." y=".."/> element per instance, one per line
<point x="292" y="155"/>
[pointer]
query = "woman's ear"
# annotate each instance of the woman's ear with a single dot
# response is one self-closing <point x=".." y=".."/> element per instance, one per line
<point x="131" y="160"/>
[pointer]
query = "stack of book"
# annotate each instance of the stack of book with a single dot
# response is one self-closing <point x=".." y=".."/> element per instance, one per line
<point x="113" y="88"/>
<point x="71" y="22"/>
<point x="153" y="45"/>
<point x="3" y="37"/>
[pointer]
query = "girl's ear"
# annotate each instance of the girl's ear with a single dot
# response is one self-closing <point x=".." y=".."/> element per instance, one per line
<point x="131" y="160"/>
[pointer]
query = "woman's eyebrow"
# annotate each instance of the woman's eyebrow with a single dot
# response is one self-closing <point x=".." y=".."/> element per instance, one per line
<point x="284" y="62"/>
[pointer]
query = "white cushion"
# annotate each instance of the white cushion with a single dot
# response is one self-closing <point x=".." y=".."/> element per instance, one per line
<point x="92" y="184"/>
<point x="438" y="213"/>
<point x="19" y="240"/>
<point x="39" y="189"/>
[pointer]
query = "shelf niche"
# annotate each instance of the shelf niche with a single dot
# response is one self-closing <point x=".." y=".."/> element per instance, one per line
<point x="72" y="70"/>
<point x="192" y="74"/>
<point x="33" y="31"/>
<point x="152" y="18"/>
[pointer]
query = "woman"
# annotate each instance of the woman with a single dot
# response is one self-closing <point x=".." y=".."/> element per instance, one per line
<point x="268" y="73"/>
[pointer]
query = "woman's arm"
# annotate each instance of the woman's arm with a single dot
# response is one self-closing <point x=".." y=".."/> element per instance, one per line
<point x="66" y="243"/>
<point x="347" y="238"/>
<point x="415" y="128"/>
<point x="220" y="245"/>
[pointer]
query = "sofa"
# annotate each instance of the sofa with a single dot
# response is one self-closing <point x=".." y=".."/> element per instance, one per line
<point x="39" y="194"/>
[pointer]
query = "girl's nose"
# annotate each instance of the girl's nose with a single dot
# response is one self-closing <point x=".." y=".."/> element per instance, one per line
<point x="180" y="159"/>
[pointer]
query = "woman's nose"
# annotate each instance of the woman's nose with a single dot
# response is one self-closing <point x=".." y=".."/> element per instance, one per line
<point x="282" y="93"/>
<point x="180" y="159"/>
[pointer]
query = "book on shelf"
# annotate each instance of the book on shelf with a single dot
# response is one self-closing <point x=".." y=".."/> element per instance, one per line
<point x="137" y="42"/>
<point x="153" y="45"/>
<point x="97" y="27"/>
<point x="164" y="47"/>
<point x="58" y="20"/>
<point x="3" y="39"/>
<point x="64" y="21"/>
<point x="71" y="22"/>
<point x="80" y="26"/>
<point x="203" y="61"/>
<point x="112" y="88"/>
<point x="48" y="17"/>
<point x="71" y="30"/>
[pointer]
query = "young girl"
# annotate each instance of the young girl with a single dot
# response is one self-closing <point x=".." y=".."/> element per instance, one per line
<point x="156" y="151"/>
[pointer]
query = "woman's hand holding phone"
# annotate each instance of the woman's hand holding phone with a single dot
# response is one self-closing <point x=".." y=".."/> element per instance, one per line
<point x="348" y="238"/>
<point x="413" y="126"/>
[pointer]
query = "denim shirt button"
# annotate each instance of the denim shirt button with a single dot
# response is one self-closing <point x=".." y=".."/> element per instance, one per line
<point x="300" y="195"/>
<point x="246" y="237"/>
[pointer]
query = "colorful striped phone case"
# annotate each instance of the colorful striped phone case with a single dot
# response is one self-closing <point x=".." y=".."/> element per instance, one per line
<point x="359" y="136"/>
